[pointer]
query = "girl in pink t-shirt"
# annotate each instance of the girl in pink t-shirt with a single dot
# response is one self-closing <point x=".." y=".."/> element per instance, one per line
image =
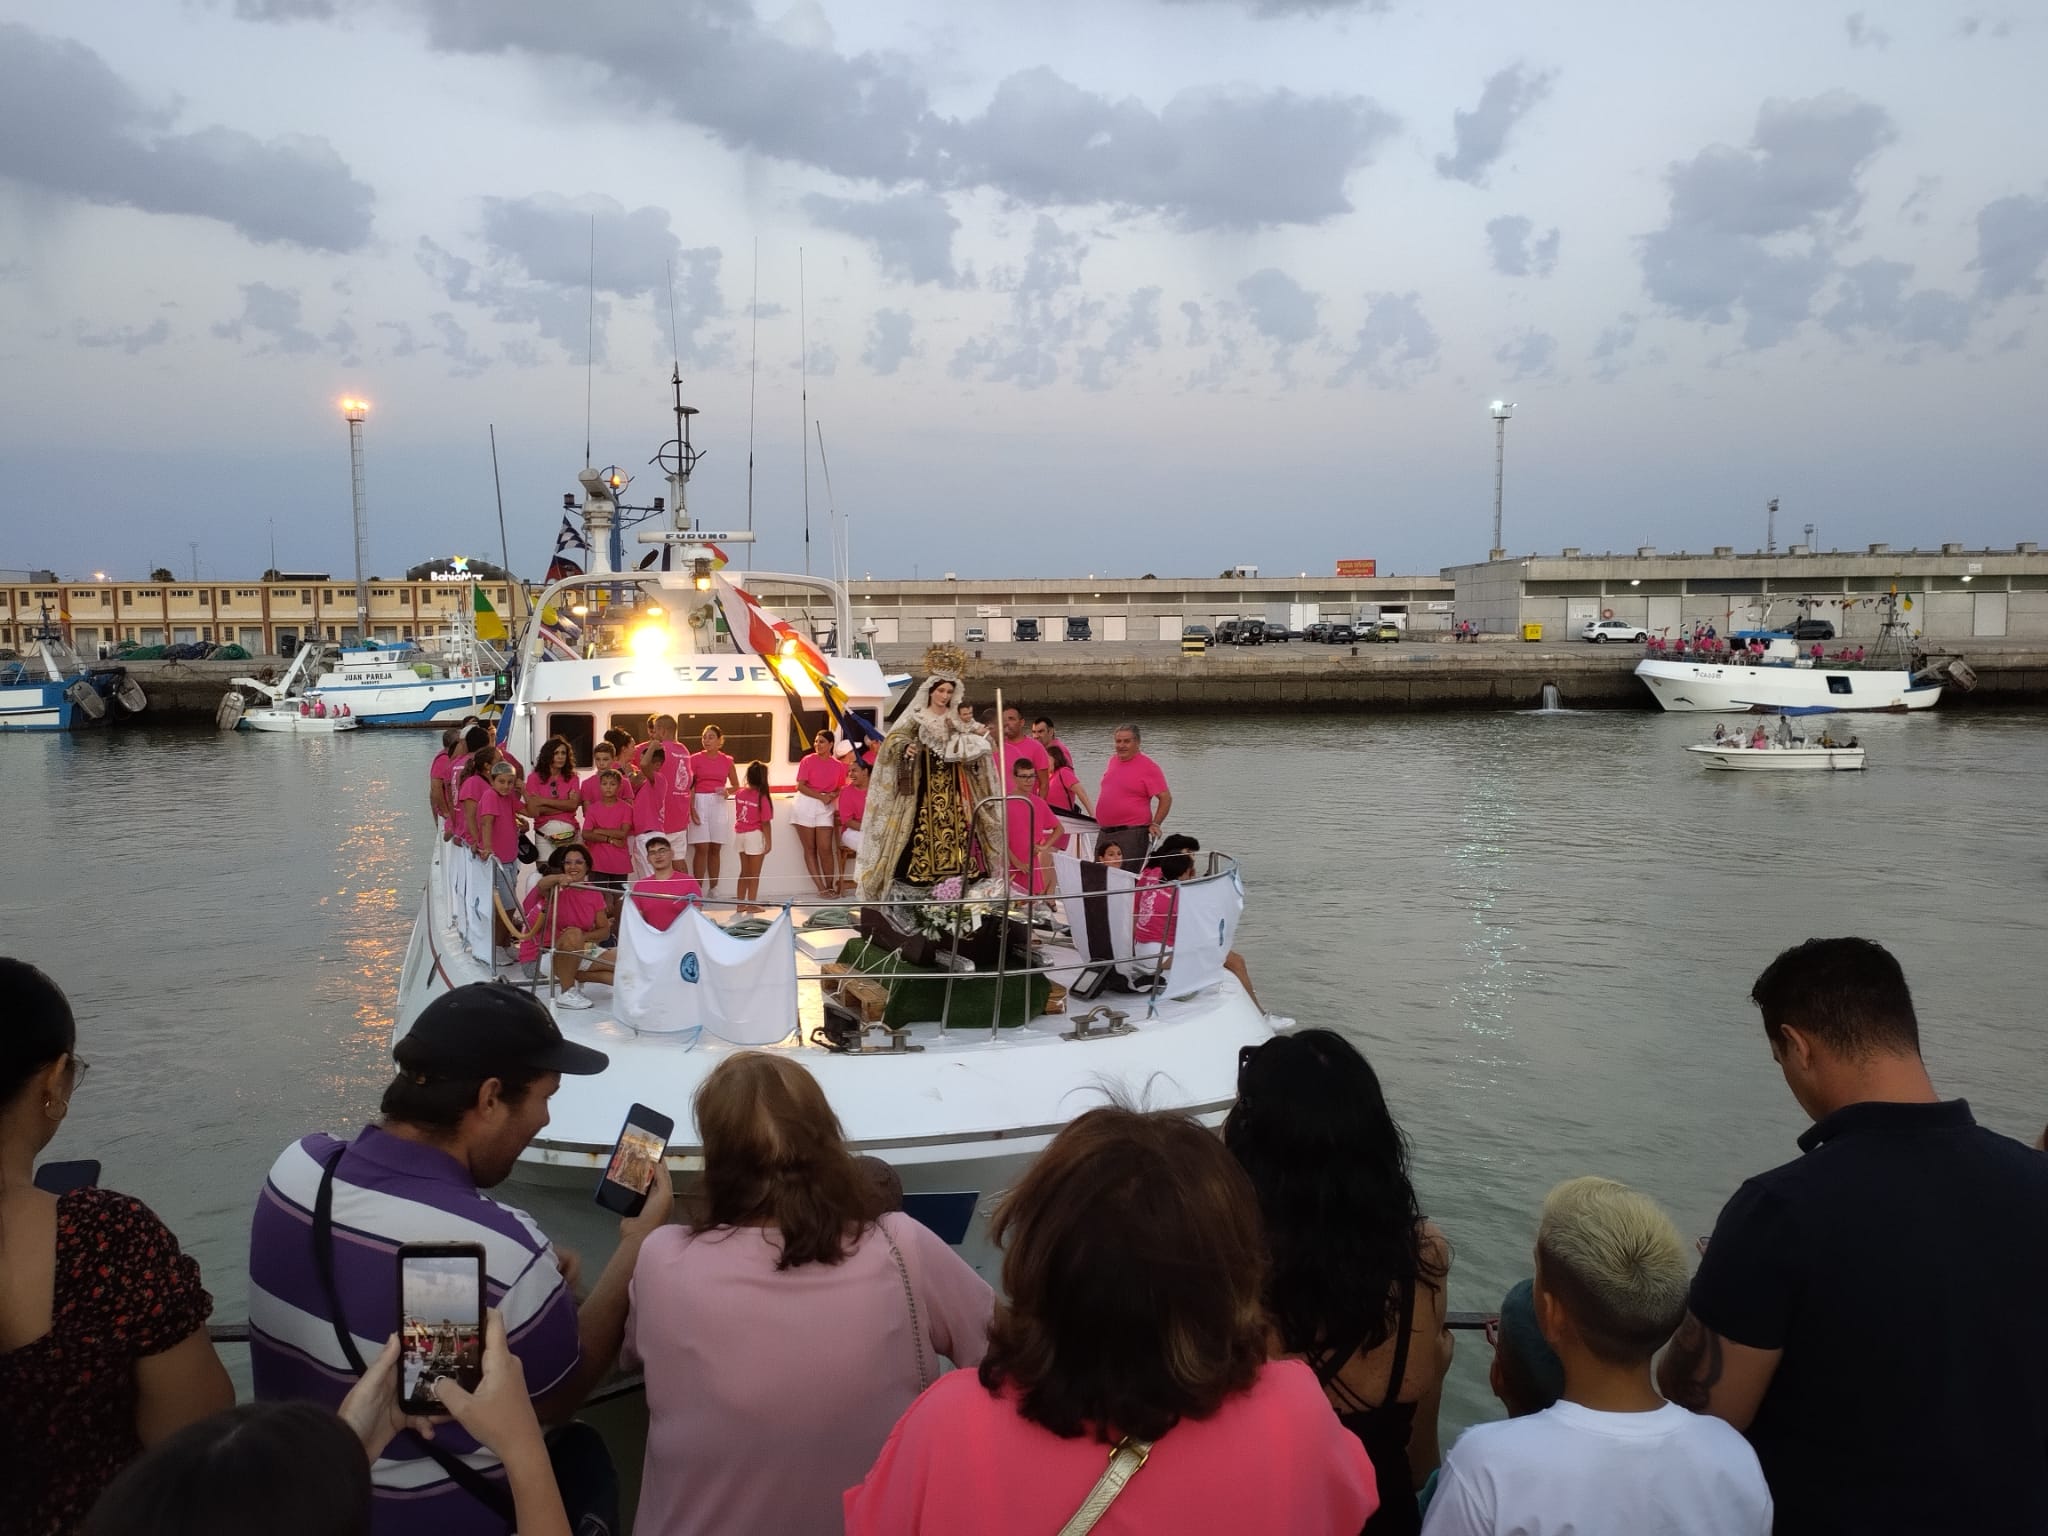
<point x="711" y="780"/>
<point x="498" y="815"/>
<point x="1063" y="792"/>
<point x="754" y="830"/>
<point x="472" y="782"/>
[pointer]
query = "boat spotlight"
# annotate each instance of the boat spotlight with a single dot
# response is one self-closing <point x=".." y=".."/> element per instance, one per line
<point x="700" y="571"/>
<point x="650" y="641"/>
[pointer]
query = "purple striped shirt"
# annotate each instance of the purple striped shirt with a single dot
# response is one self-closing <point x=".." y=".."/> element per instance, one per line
<point x="388" y="1191"/>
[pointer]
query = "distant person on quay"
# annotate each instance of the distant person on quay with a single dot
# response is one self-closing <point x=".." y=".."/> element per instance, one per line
<point x="1869" y="1313"/>
<point x="1133" y="1265"/>
<point x="1357" y="1284"/>
<point x="475" y="1073"/>
<point x="1133" y="802"/>
<point x="785" y="1330"/>
<point x="1610" y="1457"/>
<point x="103" y="1344"/>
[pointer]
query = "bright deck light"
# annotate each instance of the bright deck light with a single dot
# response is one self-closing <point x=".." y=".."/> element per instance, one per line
<point x="650" y="642"/>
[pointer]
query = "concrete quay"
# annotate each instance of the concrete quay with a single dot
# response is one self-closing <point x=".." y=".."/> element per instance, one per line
<point x="1145" y="677"/>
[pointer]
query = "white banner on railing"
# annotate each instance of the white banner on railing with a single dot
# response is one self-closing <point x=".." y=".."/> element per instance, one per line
<point x="696" y="975"/>
<point x="1099" y="904"/>
<point x="470" y="886"/>
<point x="1202" y="939"/>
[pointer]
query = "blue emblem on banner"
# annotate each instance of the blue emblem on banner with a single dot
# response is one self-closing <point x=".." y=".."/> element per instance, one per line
<point x="689" y="966"/>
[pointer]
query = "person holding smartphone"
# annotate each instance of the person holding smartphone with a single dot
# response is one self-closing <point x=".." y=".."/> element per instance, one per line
<point x="103" y="1345"/>
<point x="475" y="1073"/>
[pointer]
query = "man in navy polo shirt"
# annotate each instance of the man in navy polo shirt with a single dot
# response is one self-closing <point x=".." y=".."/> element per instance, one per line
<point x="475" y="1073"/>
<point x="1870" y="1313"/>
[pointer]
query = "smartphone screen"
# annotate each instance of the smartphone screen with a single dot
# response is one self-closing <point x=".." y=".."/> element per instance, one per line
<point x="641" y="1148"/>
<point x="440" y="1320"/>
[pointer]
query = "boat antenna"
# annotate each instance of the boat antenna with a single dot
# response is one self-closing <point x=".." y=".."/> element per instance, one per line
<point x="753" y="368"/>
<point x="498" y="485"/>
<point x="803" y="363"/>
<point x="831" y="501"/>
<point x="590" y="342"/>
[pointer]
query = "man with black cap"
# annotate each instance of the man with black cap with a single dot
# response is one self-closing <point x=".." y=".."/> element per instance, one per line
<point x="475" y="1073"/>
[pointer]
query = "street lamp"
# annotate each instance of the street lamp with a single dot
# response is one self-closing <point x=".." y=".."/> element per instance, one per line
<point x="1502" y="409"/>
<point x="353" y="411"/>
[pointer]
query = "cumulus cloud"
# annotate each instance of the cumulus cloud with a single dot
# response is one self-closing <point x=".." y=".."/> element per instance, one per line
<point x="911" y="232"/>
<point x="1528" y="354"/>
<point x="71" y="126"/>
<point x="272" y="318"/>
<point x="1480" y="137"/>
<point x="1045" y="317"/>
<point x="1751" y="230"/>
<point x="889" y="342"/>
<point x="1394" y="345"/>
<point x="1864" y="34"/>
<point x="1281" y="309"/>
<point x="537" y="271"/>
<point x="1872" y="298"/>
<point x="2012" y="243"/>
<point x="1207" y="157"/>
<point x="128" y="338"/>
<point x="1515" y="253"/>
<point x="1134" y="329"/>
<point x="1197" y="333"/>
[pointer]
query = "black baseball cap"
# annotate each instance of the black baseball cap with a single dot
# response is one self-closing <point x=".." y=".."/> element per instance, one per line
<point x="488" y="1028"/>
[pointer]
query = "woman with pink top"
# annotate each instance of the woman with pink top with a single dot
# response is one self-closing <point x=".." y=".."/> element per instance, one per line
<point x="499" y="822"/>
<point x="472" y="783"/>
<point x="1063" y="791"/>
<point x="440" y="797"/>
<point x="554" y="796"/>
<point x="852" y="810"/>
<point x="787" y="1327"/>
<point x="819" y="778"/>
<point x="711" y="780"/>
<point x="1133" y="1262"/>
<point x="754" y="824"/>
<point x="565" y="913"/>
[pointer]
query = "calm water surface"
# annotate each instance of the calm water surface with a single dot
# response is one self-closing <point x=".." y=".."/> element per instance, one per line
<point x="1540" y="928"/>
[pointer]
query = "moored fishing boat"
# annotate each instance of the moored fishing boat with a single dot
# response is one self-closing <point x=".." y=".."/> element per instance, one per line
<point x="948" y="1057"/>
<point x="397" y="684"/>
<point x="53" y="690"/>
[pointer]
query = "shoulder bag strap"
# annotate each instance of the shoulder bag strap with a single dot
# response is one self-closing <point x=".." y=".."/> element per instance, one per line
<point x="924" y="1375"/>
<point x="1124" y="1462"/>
<point x="493" y="1496"/>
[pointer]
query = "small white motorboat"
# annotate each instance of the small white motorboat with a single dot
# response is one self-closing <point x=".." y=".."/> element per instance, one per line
<point x="284" y="708"/>
<point x="295" y="720"/>
<point x="1782" y="751"/>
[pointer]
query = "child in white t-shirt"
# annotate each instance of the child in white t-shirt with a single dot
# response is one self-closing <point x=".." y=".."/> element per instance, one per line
<point x="1611" y="1457"/>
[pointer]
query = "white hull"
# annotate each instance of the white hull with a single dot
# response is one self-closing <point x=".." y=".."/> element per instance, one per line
<point x="1780" y="759"/>
<point x="1705" y="687"/>
<point x="291" y="723"/>
<point x="964" y="1115"/>
<point x="422" y="701"/>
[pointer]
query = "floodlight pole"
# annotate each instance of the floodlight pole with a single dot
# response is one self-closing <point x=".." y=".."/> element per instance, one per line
<point x="1502" y="409"/>
<point x="355" y="411"/>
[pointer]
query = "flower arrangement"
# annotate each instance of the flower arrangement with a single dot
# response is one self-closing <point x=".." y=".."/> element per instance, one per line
<point x="952" y="912"/>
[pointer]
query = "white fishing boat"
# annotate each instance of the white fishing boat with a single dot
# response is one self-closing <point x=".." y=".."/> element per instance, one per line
<point x="51" y="689"/>
<point x="283" y="707"/>
<point x="398" y="684"/>
<point x="959" y="1111"/>
<point x="1892" y="675"/>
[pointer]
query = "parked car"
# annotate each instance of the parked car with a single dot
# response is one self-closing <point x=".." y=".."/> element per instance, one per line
<point x="1200" y="632"/>
<point x="1600" y="631"/>
<point x="1277" y="634"/>
<point x="1249" y="632"/>
<point x="1077" y="627"/>
<point x="1384" y="632"/>
<point x="1316" y="633"/>
<point x="976" y="635"/>
<point x="1027" y="629"/>
<point x="1810" y="629"/>
<point x="1343" y="634"/>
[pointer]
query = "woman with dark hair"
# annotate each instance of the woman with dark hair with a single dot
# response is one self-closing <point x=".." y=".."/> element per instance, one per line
<point x="103" y="1346"/>
<point x="1358" y="1277"/>
<point x="554" y="795"/>
<point x="1132" y="1262"/>
<point x="784" y="1331"/>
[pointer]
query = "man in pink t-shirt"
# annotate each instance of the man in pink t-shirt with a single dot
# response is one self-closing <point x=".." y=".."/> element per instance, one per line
<point x="1018" y="746"/>
<point x="1134" y="801"/>
<point x="661" y="896"/>
<point x="440" y="779"/>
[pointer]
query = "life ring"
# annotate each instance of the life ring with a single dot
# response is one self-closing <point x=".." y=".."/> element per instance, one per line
<point x="1606" y="613"/>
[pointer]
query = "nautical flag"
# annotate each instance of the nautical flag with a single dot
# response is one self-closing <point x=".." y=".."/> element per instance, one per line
<point x="488" y="625"/>
<point x="570" y="538"/>
<point x="757" y="630"/>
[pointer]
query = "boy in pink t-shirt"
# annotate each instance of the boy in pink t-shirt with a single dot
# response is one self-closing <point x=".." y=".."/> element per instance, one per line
<point x="602" y="756"/>
<point x="663" y="803"/>
<point x="1033" y="831"/>
<point x="661" y="897"/>
<point x="607" y="831"/>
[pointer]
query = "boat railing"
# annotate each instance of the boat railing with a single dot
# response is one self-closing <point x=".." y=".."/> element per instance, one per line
<point x="1012" y="913"/>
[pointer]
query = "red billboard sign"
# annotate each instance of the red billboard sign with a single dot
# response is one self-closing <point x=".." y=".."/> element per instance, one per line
<point x="1358" y="567"/>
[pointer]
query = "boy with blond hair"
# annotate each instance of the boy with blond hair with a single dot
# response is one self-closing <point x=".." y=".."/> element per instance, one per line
<point x="1610" y="1457"/>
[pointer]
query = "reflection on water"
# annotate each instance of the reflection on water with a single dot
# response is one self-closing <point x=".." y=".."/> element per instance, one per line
<point x="1540" y="928"/>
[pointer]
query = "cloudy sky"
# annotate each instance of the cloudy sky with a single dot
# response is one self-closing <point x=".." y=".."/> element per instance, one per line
<point x="1114" y="286"/>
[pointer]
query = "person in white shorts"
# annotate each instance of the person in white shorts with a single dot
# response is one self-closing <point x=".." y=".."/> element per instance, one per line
<point x="819" y="778"/>
<point x="712" y="781"/>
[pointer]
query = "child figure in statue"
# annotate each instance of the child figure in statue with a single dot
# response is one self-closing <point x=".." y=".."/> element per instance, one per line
<point x="931" y="808"/>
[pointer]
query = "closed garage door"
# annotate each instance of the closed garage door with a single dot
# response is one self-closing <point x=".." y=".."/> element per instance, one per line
<point x="1114" y="627"/>
<point x="942" y="631"/>
<point x="1170" y="627"/>
<point x="1990" y="615"/>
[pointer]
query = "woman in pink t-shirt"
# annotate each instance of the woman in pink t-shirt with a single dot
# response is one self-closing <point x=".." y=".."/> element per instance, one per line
<point x="1063" y="792"/>
<point x="711" y="780"/>
<point x="1131" y="1316"/>
<point x="565" y="913"/>
<point x="553" y="795"/>
<point x="819" y="778"/>
<point x="754" y="830"/>
<point x="440" y="777"/>
<point x="783" y="1333"/>
<point x="499" y="824"/>
<point x="472" y="783"/>
<point x="852" y="806"/>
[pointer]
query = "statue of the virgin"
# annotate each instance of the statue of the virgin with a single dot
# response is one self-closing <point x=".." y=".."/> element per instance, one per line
<point x="932" y="812"/>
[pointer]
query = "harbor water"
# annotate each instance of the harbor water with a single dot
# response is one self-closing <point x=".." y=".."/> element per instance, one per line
<point x="1540" y="928"/>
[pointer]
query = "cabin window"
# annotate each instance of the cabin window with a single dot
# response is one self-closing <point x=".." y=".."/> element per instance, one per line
<point x="805" y="725"/>
<point x="749" y="735"/>
<point x="1837" y="684"/>
<point x="580" y="731"/>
